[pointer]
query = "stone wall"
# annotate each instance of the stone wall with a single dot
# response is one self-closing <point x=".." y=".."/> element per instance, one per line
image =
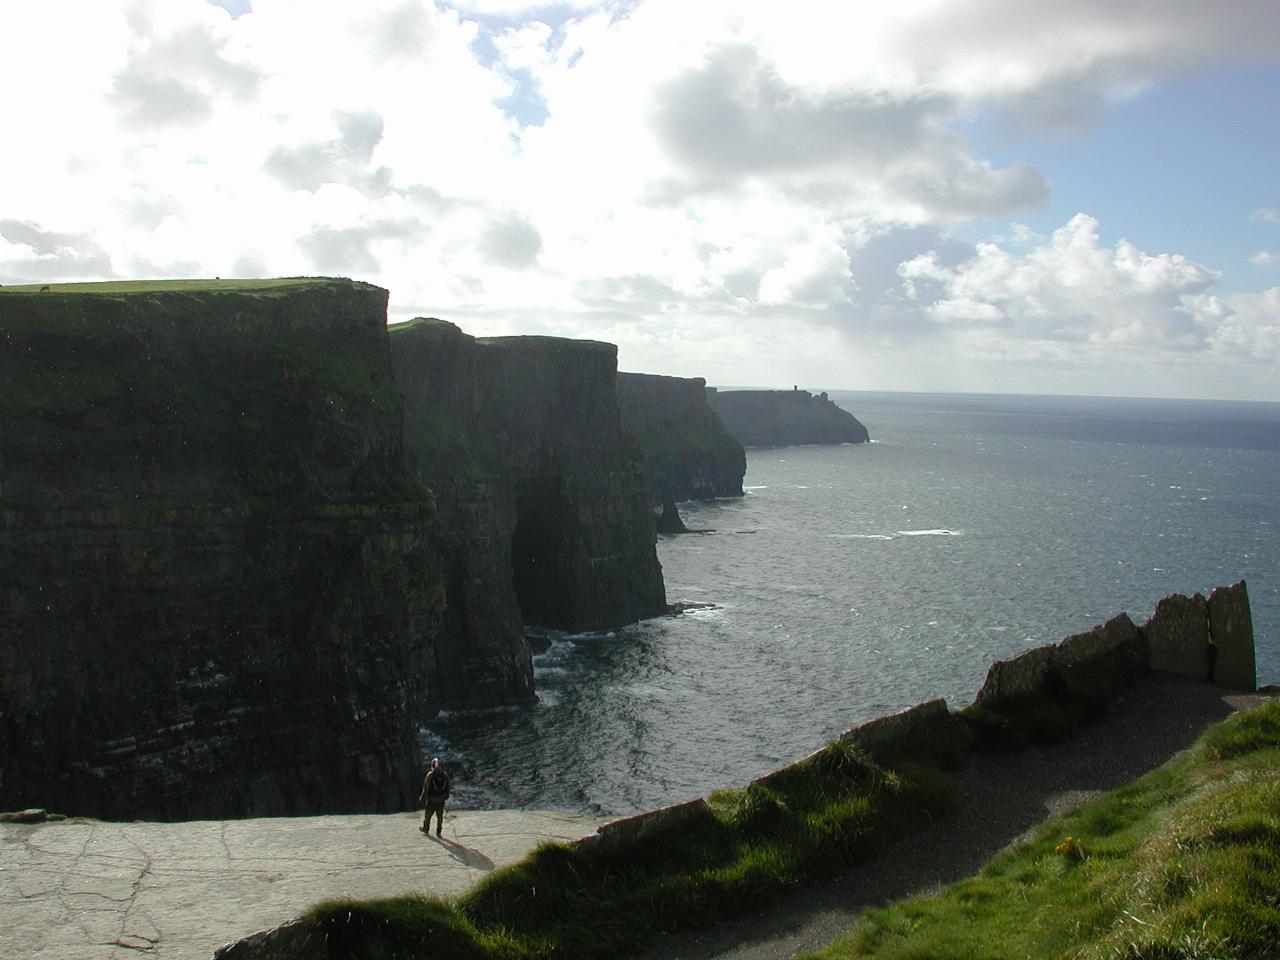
<point x="1204" y="640"/>
<point x="216" y="592"/>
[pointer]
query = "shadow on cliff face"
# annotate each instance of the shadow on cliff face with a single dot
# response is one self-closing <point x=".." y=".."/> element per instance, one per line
<point x="538" y="555"/>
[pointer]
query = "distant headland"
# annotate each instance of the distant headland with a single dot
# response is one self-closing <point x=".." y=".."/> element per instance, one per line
<point x="780" y="418"/>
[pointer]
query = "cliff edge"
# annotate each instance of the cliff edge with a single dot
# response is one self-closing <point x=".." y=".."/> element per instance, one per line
<point x="779" y="418"/>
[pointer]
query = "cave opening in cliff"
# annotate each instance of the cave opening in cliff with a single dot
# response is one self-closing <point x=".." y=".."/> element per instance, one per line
<point x="539" y="555"/>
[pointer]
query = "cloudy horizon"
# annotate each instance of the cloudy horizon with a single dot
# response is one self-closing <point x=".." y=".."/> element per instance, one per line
<point x="950" y="195"/>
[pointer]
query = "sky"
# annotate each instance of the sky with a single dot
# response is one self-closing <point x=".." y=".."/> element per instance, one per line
<point x="942" y="195"/>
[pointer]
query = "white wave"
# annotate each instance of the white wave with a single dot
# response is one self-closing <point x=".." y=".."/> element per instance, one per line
<point x="931" y="533"/>
<point x="859" y="536"/>
<point x="447" y="716"/>
<point x="548" y="698"/>
<point x="761" y="486"/>
<point x="561" y="649"/>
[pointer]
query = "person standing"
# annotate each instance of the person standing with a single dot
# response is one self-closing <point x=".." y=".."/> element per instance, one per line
<point x="435" y="791"/>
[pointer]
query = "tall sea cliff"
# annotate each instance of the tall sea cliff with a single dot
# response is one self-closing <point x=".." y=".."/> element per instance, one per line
<point x="216" y="596"/>
<point x="526" y="432"/>
<point x="688" y="454"/>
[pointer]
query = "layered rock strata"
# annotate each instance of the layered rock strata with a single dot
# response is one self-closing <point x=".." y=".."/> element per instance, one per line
<point x="217" y="595"/>
<point x="527" y="431"/>
<point x="688" y="454"/>
<point x="779" y="418"/>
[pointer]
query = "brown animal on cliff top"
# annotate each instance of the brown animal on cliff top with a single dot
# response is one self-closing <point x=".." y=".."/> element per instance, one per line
<point x="44" y="289"/>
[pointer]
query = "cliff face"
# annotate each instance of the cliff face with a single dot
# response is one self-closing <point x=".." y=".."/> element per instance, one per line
<point x="779" y="418"/>
<point x="528" y="427"/>
<point x="688" y="454"/>
<point x="216" y="587"/>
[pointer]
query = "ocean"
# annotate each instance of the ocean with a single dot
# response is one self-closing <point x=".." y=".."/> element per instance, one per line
<point x="856" y="580"/>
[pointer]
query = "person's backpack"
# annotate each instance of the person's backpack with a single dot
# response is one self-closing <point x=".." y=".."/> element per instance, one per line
<point x="439" y="785"/>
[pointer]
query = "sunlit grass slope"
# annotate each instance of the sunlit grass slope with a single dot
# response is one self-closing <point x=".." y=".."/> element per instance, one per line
<point x="1183" y="863"/>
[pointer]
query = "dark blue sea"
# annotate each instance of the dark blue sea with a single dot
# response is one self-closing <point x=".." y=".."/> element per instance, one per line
<point x="852" y="581"/>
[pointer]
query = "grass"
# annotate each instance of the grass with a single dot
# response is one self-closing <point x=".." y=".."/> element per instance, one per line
<point x="746" y="849"/>
<point x="120" y="287"/>
<point x="1052" y="716"/>
<point x="1183" y="863"/>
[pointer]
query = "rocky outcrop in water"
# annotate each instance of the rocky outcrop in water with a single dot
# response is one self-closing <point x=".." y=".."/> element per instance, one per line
<point x="217" y="593"/>
<point x="779" y="418"/>
<point x="688" y="454"/>
<point x="527" y="430"/>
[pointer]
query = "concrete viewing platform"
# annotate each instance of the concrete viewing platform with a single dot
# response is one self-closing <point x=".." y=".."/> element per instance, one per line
<point x="89" y="890"/>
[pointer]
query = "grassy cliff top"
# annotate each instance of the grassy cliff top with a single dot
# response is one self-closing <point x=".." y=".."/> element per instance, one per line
<point x="115" y="288"/>
<point x="517" y="342"/>
<point x="420" y="322"/>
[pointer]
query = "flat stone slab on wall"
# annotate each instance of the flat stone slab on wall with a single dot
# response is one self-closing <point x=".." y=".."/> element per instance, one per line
<point x="1231" y="630"/>
<point x="1104" y="660"/>
<point x="644" y="826"/>
<point x="1027" y="674"/>
<point x="927" y="729"/>
<point x="1178" y="636"/>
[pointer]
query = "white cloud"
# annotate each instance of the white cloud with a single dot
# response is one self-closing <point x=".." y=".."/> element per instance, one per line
<point x="1265" y="258"/>
<point x="1071" y="289"/>
<point x="702" y="169"/>
<point x="1265" y="215"/>
<point x="518" y="8"/>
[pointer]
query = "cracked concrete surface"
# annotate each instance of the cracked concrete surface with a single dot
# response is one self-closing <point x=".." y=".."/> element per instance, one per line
<point x="87" y="890"/>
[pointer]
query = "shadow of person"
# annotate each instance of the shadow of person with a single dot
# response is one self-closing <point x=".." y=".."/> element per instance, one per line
<point x="465" y="855"/>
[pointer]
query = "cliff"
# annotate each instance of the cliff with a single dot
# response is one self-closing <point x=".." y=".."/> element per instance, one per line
<point x="217" y="595"/>
<point x="524" y="433"/>
<point x="688" y="454"/>
<point x="779" y="418"/>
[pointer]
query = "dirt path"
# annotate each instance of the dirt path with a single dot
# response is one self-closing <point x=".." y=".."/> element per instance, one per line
<point x="999" y="799"/>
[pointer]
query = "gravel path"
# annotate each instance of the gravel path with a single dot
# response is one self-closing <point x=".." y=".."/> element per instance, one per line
<point x="1000" y="798"/>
